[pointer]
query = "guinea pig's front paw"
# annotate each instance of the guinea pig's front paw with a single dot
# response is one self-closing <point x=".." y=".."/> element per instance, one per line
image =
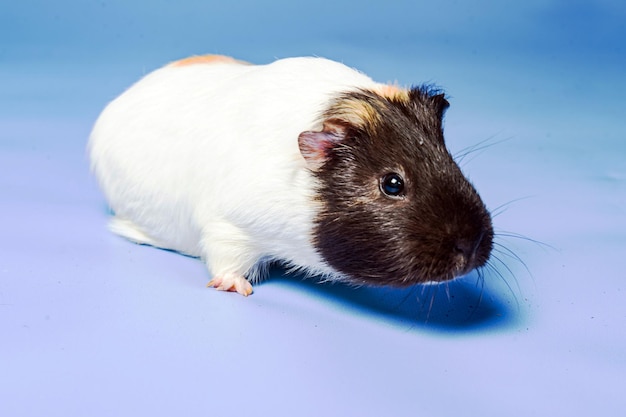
<point x="231" y="282"/>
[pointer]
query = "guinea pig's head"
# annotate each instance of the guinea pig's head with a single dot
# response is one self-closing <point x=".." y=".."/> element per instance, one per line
<point x="395" y="207"/>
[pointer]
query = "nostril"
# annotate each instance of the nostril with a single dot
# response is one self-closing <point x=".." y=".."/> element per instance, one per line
<point x="464" y="247"/>
<point x="468" y="247"/>
<point x="465" y="254"/>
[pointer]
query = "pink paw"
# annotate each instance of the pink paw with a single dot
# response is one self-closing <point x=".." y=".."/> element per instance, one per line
<point x="231" y="282"/>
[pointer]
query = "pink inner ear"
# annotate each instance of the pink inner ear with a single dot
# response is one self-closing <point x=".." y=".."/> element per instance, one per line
<point x="314" y="146"/>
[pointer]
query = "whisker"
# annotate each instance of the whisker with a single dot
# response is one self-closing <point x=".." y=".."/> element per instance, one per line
<point x="503" y="250"/>
<point x="483" y="144"/>
<point x="479" y="279"/>
<point x="526" y="238"/>
<point x="432" y="302"/>
<point x="476" y="149"/>
<point x="406" y="297"/>
<point x="503" y="207"/>
<point x="498" y="273"/>
<point x="509" y="270"/>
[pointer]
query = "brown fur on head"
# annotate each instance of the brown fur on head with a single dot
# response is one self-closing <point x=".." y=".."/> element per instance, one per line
<point x="397" y="209"/>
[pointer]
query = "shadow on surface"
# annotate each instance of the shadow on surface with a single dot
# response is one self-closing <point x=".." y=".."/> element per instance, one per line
<point x="461" y="305"/>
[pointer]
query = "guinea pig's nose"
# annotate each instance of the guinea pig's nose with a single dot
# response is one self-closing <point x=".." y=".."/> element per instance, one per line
<point x="467" y="248"/>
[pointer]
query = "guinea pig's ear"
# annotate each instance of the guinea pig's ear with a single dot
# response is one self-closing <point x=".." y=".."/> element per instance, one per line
<point x="315" y="146"/>
<point x="441" y="104"/>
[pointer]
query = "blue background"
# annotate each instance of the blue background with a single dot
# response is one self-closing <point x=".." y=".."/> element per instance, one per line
<point x="93" y="325"/>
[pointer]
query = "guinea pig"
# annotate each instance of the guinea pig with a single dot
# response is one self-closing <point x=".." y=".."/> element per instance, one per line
<point x="303" y="161"/>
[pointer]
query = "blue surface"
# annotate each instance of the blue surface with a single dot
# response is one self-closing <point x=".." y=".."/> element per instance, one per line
<point x="94" y="325"/>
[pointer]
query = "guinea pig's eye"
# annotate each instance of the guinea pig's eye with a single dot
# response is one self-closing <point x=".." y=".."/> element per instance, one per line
<point x="392" y="185"/>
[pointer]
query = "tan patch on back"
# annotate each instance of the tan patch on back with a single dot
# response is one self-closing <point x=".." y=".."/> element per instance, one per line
<point x="356" y="112"/>
<point x="363" y="109"/>
<point x="392" y="91"/>
<point x="207" y="59"/>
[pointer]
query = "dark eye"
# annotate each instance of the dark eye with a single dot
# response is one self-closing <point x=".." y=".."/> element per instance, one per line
<point x="392" y="185"/>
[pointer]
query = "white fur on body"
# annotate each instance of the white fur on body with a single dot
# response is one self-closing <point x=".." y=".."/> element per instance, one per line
<point x="204" y="159"/>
